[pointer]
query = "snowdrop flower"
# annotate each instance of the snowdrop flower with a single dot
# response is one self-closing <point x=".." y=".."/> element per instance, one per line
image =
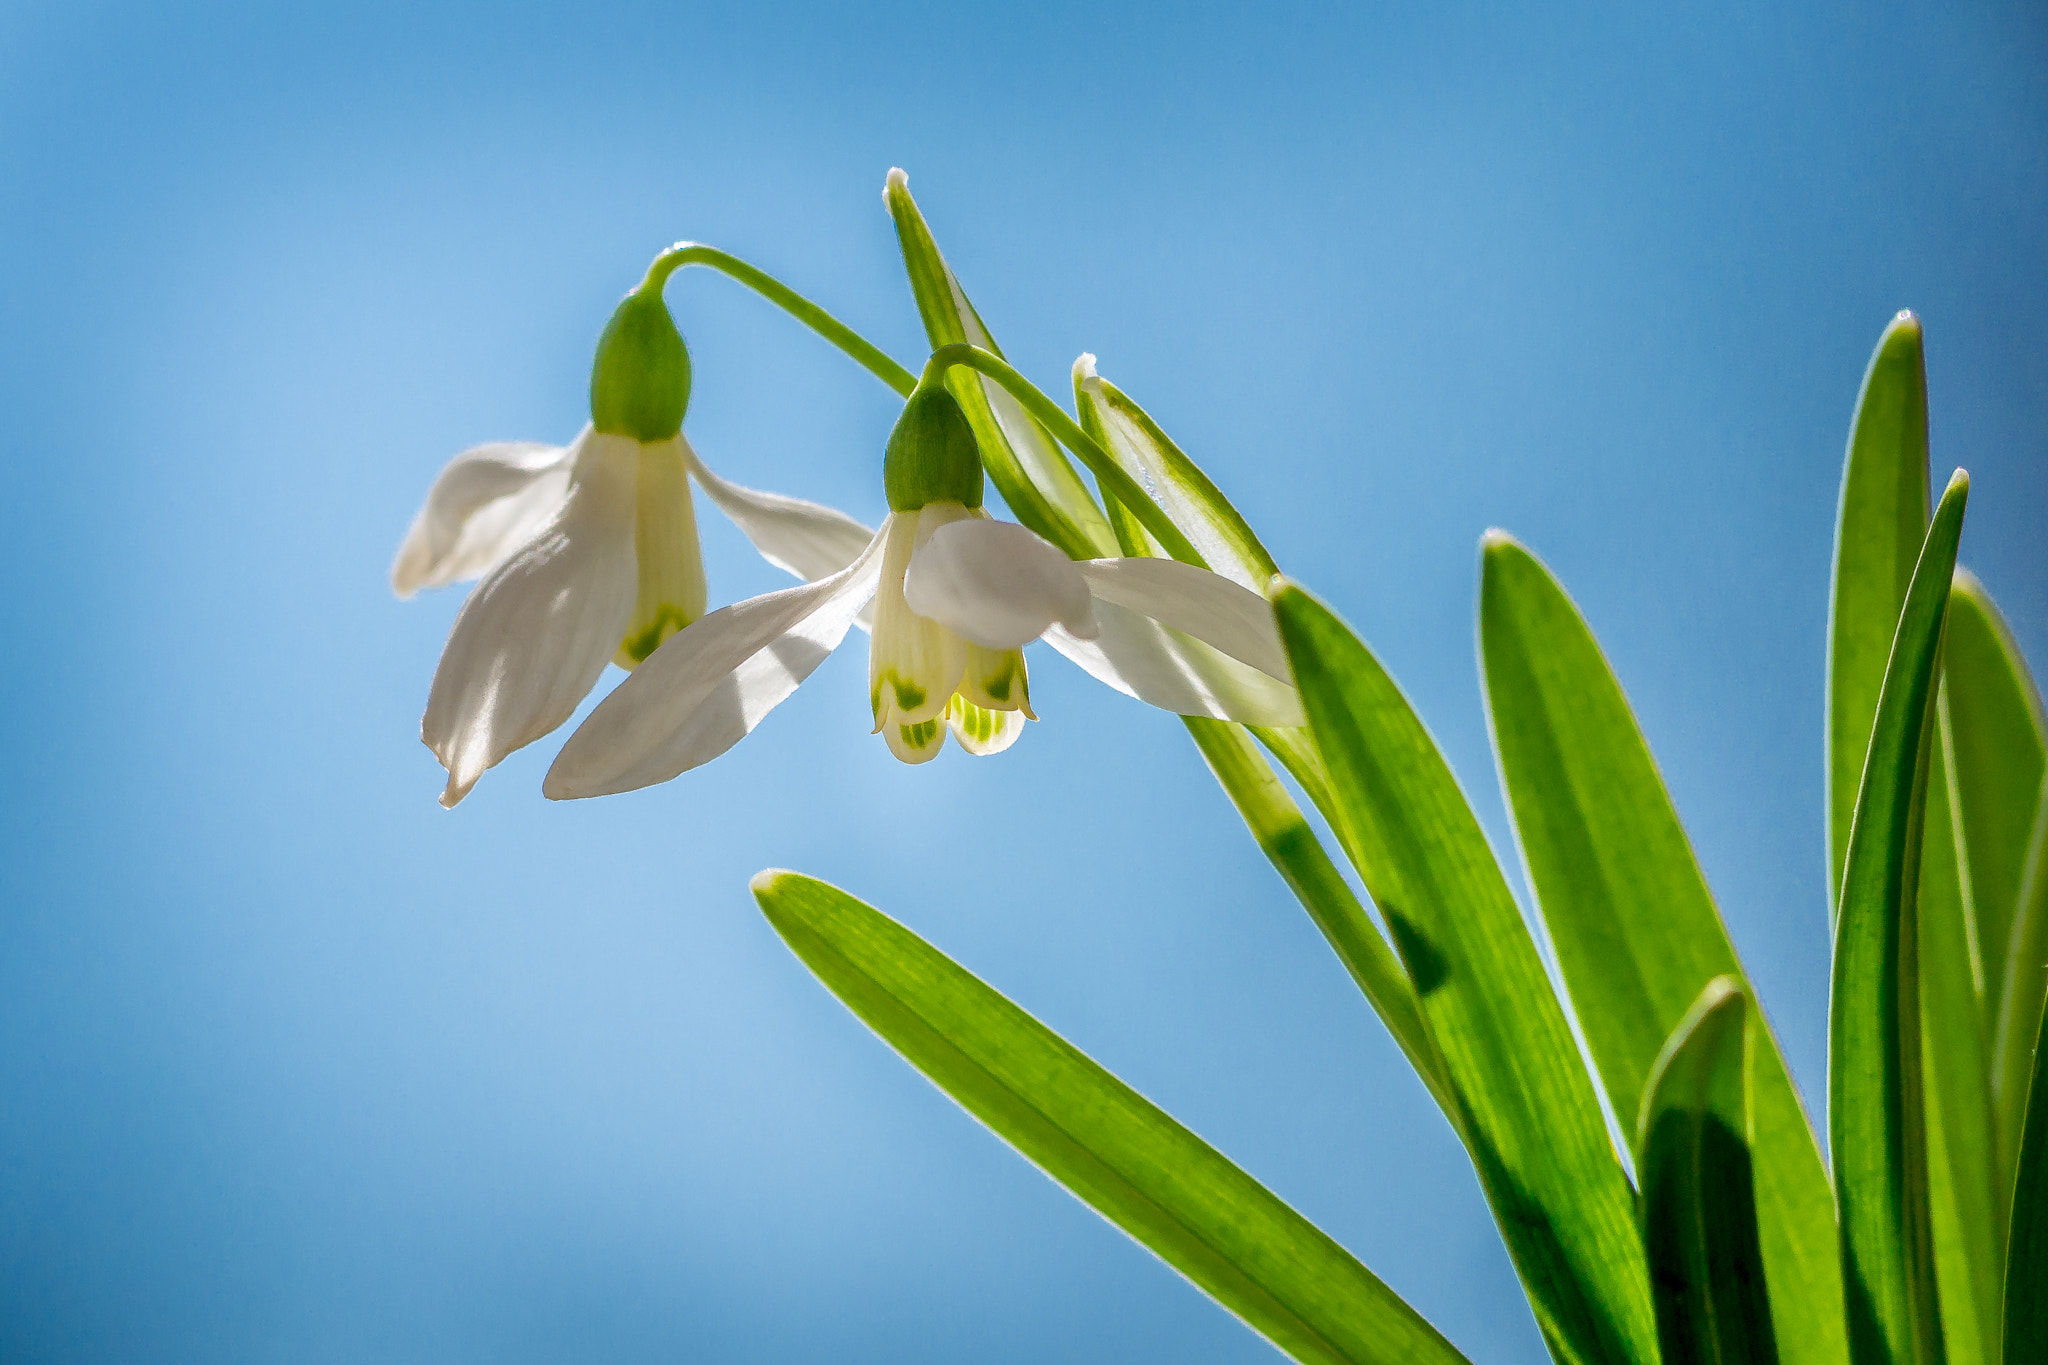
<point x="956" y="596"/>
<point x="588" y="552"/>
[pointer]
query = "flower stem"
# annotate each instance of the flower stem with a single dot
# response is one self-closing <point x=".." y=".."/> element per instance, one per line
<point x="870" y="356"/>
<point x="1116" y="482"/>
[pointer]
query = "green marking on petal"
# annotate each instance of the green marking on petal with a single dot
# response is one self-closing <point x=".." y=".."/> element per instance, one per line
<point x="920" y="735"/>
<point x="909" y="696"/>
<point x="635" y="648"/>
<point x="972" y="721"/>
<point x="996" y="680"/>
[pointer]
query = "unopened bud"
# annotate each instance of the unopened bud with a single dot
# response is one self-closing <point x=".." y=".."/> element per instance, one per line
<point x="932" y="455"/>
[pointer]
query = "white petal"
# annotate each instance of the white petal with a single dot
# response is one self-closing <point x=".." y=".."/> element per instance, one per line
<point x="997" y="584"/>
<point x="914" y="663"/>
<point x="1143" y="659"/>
<point x="707" y="687"/>
<point x="807" y="539"/>
<point x="534" y="635"/>
<point x="919" y="743"/>
<point x="983" y="732"/>
<point x="1205" y="605"/>
<point x="489" y="501"/>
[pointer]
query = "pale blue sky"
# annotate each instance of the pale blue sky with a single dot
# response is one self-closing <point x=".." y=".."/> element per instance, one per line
<point x="300" y="1067"/>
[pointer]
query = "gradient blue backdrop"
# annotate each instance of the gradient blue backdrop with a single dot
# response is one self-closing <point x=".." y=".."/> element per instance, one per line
<point x="296" y="1066"/>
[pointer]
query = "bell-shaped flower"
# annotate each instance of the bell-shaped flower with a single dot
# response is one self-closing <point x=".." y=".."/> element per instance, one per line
<point x="956" y="597"/>
<point x="588" y="552"/>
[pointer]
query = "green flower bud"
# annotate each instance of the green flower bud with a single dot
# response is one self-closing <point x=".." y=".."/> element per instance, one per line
<point x="640" y="382"/>
<point x="932" y="456"/>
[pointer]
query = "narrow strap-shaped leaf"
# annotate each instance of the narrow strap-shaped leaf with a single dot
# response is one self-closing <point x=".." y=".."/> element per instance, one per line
<point x="1635" y="927"/>
<point x="1295" y="851"/>
<point x="1968" y="1225"/>
<point x="1876" y="1114"/>
<point x="1116" y="1151"/>
<point x="1028" y="467"/>
<point x="2026" y="970"/>
<point x="1699" y="1193"/>
<point x="1226" y="541"/>
<point x="1533" y="1123"/>
<point x="2026" y="1259"/>
<point x="2000" y="754"/>
<point x="1878" y="530"/>
<point x="1999" y="744"/>
<point x="1228" y="545"/>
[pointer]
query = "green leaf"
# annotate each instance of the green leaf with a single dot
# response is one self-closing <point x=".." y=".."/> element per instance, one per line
<point x="1998" y="747"/>
<point x="1533" y="1124"/>
<point x="1876" y="1114"/>
<point x="2016" y="1041"/>
<point x="1027" y="465"/>
<point x="2001" y="756"/>
<point x="1877" y="541"/>
<point x="2026" y="1260"/>
<point x="1967" y="1223"/>
<point x="1635" y="927"/>
<point x="1225" y="540"/>
<point x="1699" y="1195"/>
<point x="1120" y="1154"/>
<point x="1286" y="839"/>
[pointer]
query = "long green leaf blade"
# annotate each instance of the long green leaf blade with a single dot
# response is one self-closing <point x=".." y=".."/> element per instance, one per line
<point x="1028" y="467"/>
<point x="1227" y="544"/>
<point x="1876" y="1115"/>
<point x="2026" y="1261"/>
<point x="1968" y="1227"/>
<point x="1292" y="847"/>
<point x="1635" y="926"/>
<point x="1699" y="1192"/>
<point x="2000" y="753"/>
<point x="2000" y="756"/>
<point x="1533" y="1123"/>
<point x="1878" y="531"/>
<point x="1119" y="1153"/>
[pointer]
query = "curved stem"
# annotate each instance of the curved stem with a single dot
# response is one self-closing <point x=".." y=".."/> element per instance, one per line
<point x="870" y="357"/>
<point x="1115" y="481"/>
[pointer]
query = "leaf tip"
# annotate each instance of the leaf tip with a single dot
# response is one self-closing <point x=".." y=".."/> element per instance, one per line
<point x="769" y="880"/>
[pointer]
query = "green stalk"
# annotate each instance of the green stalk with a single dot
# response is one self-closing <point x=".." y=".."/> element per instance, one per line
<point x="864" y="352"/>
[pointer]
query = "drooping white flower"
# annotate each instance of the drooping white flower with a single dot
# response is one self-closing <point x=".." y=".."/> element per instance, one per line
<point x="588" y="552"/>
<point x="957" y="595"/>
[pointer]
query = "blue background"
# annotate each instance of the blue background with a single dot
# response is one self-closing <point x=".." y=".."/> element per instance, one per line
<point x="298" y="1066"/>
